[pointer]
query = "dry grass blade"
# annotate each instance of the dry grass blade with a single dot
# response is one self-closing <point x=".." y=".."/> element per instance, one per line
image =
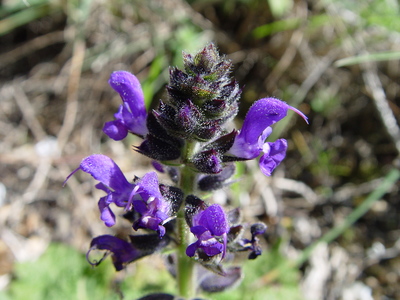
<point x="72" y="96"/>
<point x="27" y="110"/>
<point x="374" y="86"/>
<point x="33" y="45"/>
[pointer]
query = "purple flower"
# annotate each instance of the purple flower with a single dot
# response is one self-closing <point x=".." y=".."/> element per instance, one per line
<point x="122" y="251"/>
<point x="256" y="128"/>
<point x="131" y="116"/>
<point x="144" y="195"/>
<point x="274" y="153"/>
<point x="150" y="204"/>
<point x="210" y="226"/>
<point x="253" y="245"/>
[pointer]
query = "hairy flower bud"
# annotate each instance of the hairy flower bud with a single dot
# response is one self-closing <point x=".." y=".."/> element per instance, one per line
<point x="201" y="98"/>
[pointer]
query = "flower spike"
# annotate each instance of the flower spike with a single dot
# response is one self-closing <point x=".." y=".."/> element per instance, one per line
<point x="188" y="138"/>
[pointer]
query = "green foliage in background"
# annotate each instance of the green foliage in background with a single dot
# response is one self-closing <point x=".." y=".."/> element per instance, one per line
<point x="63" y="273"/>
<point x="18" y="13"/>
<point x="188" y="38"/>
<point x="256" y="284"/>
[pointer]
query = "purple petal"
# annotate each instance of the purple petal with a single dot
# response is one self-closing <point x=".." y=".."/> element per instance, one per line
<point x="262" y="114"/>
<point x="191" y="249"/>
<point x="112" y="181"/>
<point x="198" y="230"/>
<point x="102" y="187"/>
<point x="152" y="207"/>
<point x="115" y="130"/>
<point x="261" y="140"/>
<point x="105" y="170"/>
<point x="149" y="186"/>
<point x="107" y="216"/>
<point x="158" y="166"/>
<point x="122" y="251"/>
<point x="207" y="225"/>
<point x="161" y="231"/>
<point x="214" y="249"/>
<point x="133" y="112"/>
<point x="214" y="219"/>
<point x="274" y="153"/>
<point x="130" y="90"/>
<point x="150" y="223"/>
<point x="140" y="206"/>
<point x="163" y="210"/>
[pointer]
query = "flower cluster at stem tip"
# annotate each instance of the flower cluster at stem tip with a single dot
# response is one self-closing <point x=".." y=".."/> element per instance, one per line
<point x="187" y="138"/>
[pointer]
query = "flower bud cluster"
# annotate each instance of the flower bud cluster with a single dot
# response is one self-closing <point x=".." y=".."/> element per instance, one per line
<point x="185" y="136"/>
<point x="201" y="98"/>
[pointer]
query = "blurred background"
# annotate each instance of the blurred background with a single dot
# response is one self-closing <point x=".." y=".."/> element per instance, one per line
<point x="332" y="207"/>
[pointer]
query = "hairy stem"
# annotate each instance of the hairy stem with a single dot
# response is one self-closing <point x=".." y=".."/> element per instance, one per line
<point x="185" y="265"/>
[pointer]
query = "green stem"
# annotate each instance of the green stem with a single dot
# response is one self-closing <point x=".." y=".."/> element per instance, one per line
<point x="185" y="265"/>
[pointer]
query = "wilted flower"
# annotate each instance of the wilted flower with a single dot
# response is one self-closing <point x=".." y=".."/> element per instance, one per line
<point x="252" y="244"/>
<point x="123" y="252"/>
<point x="214" y="283"/>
